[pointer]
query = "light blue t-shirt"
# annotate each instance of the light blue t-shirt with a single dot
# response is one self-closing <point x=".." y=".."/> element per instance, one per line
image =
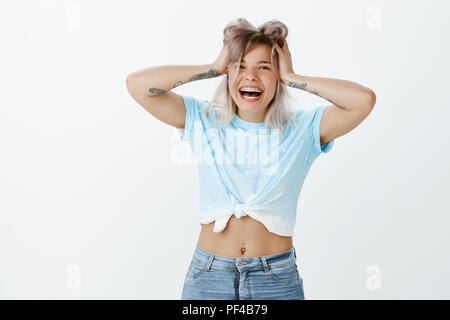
<point x="245" y="169"/>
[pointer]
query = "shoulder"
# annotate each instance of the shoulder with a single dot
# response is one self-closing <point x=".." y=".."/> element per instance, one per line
<point x="309" y="116"/>
<point x="195" y="105"/>
<point x="200" y="110"/>
<point x="301" y="117"/>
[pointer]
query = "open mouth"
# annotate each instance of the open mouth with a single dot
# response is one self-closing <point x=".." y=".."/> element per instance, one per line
<point x="250" y="96"/>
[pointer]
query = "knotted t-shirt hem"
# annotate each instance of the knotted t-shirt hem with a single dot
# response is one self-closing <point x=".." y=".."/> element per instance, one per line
<point x="279" y="228"/>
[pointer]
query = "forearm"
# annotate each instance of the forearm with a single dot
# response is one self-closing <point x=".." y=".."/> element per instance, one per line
<point x="160" y="79"/>
<point x="345" y="94"/>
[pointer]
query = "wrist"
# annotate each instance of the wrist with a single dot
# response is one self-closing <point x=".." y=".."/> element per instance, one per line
<point x="287" y="76"/>
<point x="220" y="70"/>
<point x="214" y="68"/>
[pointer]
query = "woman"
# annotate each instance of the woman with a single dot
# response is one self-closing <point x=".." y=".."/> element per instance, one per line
<point x="248" y="208"/>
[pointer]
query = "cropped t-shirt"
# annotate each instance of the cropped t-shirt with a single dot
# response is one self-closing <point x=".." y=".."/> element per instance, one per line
<point x="245" y="169"/>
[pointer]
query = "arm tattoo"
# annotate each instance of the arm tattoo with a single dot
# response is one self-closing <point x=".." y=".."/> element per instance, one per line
<point x="303" y="87"/>
<point x="204" y="75"/>
<point x="296" y="85"/>
<point x="156" y="91"/>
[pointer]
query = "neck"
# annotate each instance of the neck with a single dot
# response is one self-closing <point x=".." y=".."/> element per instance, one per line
<point x="251" y="116"/>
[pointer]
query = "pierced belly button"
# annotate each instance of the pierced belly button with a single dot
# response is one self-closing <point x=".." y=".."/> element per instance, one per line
<point x="242" y="250"/>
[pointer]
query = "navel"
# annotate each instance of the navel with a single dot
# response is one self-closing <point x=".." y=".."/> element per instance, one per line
<point x="243" y="248"/>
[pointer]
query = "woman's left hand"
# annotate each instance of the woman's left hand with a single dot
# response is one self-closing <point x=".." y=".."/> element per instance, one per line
<point x="285" y="61"/>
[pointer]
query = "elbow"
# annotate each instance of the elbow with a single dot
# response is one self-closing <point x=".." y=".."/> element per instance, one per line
<point x="371" y="99"/>
<point x="129" y="84"/>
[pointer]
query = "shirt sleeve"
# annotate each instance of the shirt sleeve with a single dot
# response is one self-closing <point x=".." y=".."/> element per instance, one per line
<point x="191" y="108"/>
<point x="315" y="131"/>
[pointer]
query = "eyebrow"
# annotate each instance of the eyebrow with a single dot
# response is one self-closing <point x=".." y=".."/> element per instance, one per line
<point x="262" y="61"/>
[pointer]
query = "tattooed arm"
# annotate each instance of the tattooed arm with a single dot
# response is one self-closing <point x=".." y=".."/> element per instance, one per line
<point x="158" y="80"/>
<point x="342" y="93"/>
<point x="345" y="95"/>
<point x="151" y="89"/>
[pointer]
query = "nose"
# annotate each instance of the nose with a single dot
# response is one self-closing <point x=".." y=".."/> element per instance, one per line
<point x="250" y="75"/>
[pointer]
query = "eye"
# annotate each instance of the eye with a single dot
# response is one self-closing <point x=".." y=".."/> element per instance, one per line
<point x="261" y="67"/>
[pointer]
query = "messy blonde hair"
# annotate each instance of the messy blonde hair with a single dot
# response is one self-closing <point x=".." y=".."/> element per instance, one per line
<point x="241" y="36"/>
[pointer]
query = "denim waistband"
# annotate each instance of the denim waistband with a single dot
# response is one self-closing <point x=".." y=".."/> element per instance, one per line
<point x="209" y="260"/>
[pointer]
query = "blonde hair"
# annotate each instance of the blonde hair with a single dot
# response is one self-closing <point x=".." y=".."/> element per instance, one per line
<point x="241" y="36"/>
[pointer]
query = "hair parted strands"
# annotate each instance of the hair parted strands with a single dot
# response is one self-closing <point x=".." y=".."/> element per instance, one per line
<point x="241" y="36"/>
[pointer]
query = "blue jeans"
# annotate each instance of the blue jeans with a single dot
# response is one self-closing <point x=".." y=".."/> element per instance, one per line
<point x="214" y="277"/>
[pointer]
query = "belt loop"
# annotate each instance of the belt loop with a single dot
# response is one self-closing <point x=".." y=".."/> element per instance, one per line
<point x="210" y="260"/>
<point x="265" y="266"/>
<point x="295" y="254"/>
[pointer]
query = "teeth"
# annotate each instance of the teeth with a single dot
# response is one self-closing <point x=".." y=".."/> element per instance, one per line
<point x="247" y="89"/>
<point x="250" y="98"/>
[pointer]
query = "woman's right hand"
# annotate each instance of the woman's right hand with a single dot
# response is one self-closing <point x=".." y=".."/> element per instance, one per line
<point x="220" y="64"/>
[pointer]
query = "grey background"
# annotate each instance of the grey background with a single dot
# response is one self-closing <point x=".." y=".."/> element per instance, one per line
<point x="93" y="205"/>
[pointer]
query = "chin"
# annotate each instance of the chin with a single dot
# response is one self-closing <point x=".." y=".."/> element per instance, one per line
<point x="252" y="108"/>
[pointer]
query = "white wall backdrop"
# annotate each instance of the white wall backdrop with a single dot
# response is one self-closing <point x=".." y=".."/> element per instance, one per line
<point x="93" y="205"/>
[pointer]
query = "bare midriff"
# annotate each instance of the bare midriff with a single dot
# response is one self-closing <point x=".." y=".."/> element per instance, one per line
<point x="242" y="237"/>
